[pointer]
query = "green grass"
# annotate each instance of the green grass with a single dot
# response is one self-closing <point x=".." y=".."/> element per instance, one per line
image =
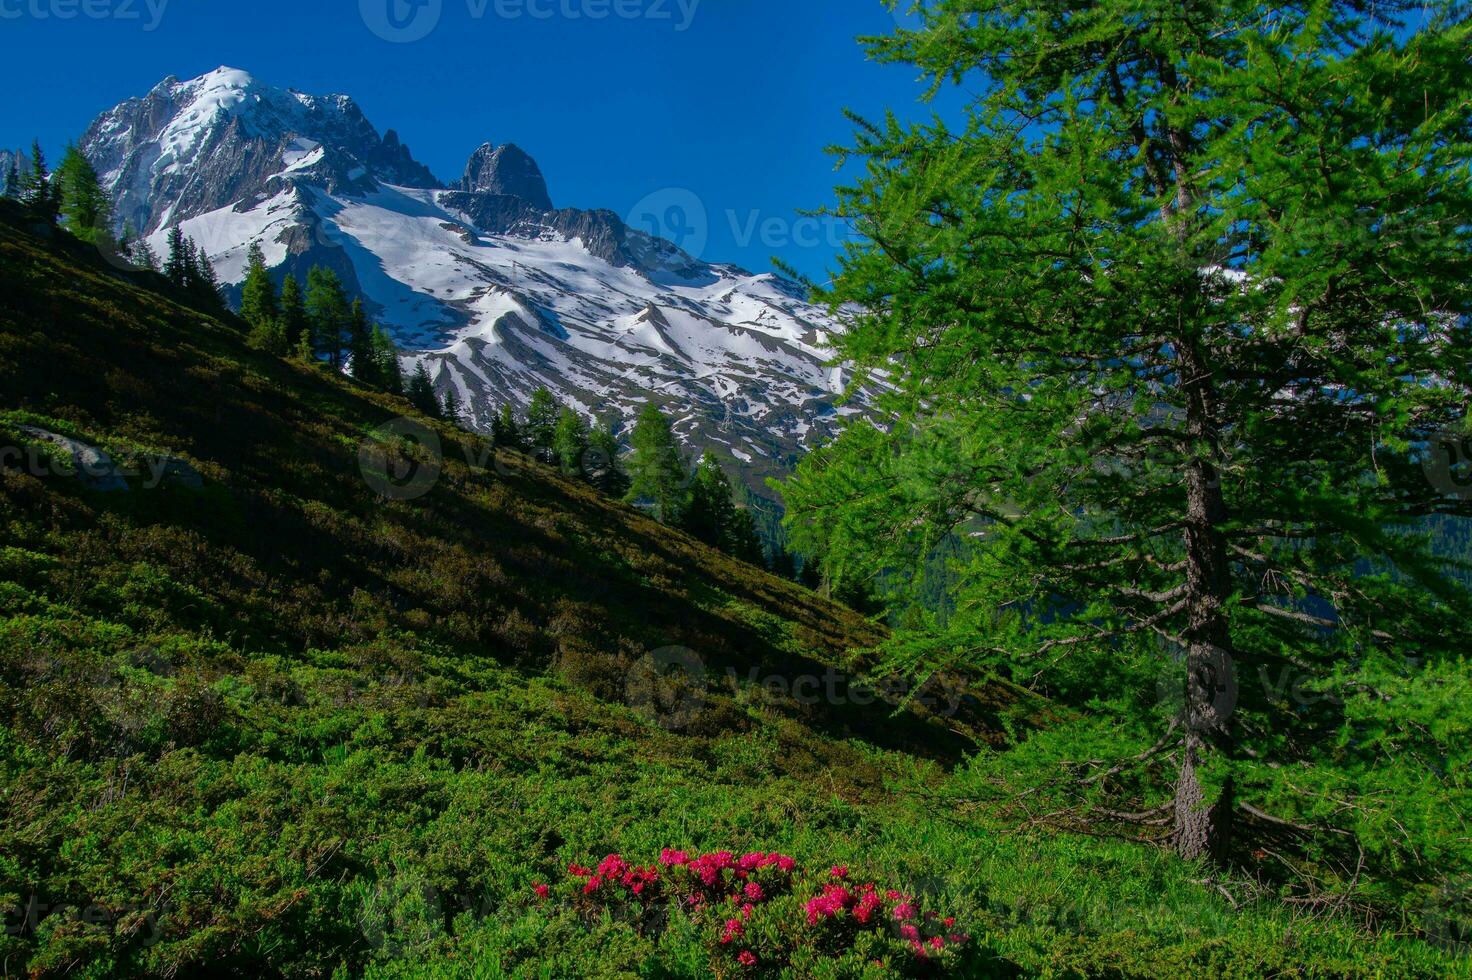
<point x="283" y="727"/>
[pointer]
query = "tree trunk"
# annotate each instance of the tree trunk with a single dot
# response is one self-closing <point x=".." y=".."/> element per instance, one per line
<point x="1203" y="829"/>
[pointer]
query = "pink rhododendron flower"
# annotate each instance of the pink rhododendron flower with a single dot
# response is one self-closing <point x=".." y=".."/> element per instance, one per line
<point x="747" y="958"/>
<point x="541" y="890"/>
<point x="909" y="932"/>
<point x="670" y="858"/>
<point x="839" y="871"/>
<point x="753" y="891"/>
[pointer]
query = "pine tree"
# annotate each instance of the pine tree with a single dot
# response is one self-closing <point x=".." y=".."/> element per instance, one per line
<point x="258" y="305"/>
<point x="657" y="472"/>
<point x="602" y="466"/>
<point x="294" y="313"/>
<point x="450" y="408"/>
<point x="1173" y="321"/>
<point x="361" y="362"/>
<point x="37" y="191"/>
<point x="386" y="359"/>
<point x="85" y="209"/>
<point x="743" y="540"/>
<point x="570" y="442"/>
<point x="189" y="276"/>
<point x="782" y="564"/>
<point x="710" y="514"/>
<point x="329" y="314"/>
<point x="504" y="430"/>
<point x="539" y="429"/>
<point x="176" y="262"/>
<point x="206" y="284"/>
<point x="268" y="336"/>
<point x="420" y="392"/>
<point x="141" y="254"/>
<point x="12" y="179"/>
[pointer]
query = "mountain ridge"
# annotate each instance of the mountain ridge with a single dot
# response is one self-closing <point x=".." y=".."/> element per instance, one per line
<point x="497" y="291"/>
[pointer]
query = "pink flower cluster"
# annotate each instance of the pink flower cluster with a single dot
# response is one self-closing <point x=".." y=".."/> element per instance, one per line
<point x="613" y="872"/>
<point x="866" y="906"/>
<point x="723" y="891"/>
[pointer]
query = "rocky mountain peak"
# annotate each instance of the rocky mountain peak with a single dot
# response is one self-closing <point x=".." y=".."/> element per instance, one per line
<point x="509" y="170"/>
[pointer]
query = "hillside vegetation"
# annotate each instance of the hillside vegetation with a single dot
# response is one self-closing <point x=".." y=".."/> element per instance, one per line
<point x="286" y="723"/>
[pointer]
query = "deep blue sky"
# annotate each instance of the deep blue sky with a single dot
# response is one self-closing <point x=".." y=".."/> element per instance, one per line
<point x="736" y="107"/>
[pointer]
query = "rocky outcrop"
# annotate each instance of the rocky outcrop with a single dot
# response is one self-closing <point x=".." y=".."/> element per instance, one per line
<point x="506" y="170"/>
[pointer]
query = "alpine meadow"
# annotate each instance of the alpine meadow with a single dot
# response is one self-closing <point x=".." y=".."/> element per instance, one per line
<point x="1054" y="561"/>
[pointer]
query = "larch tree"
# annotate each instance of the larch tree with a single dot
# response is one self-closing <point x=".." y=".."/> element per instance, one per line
<point x="656" y="467"/>
<point x="85" y="208"/>
<point x="1176" y="321"/>
<point x="570" y="441"/>
<point x="258" y="304"/>
<point x="539" y="427"/>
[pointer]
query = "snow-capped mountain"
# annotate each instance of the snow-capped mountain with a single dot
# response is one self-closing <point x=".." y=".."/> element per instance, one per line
<point x="498" y="291"/>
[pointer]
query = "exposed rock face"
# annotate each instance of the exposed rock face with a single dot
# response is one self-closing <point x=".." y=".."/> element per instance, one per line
<point x="188" y="148"/>
<point x="93" y="467"/>
<point x="506" y="170"/>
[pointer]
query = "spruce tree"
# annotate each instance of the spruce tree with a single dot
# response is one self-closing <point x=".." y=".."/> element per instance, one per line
<point x="258" y="305"/>
<point x="539" y="430"/>
<point x="329" y="314"/>
<point x="657" y="473"/>
<point x="450" y="409"/>
<point x="294" y="313"/>
<point x="12" y="179"/>
<point x="420" y="391"/>
<point x="603" y="467"/>
<point x="386" y="361"/>
<point x="504" y="430"/>
<point x="1174" y="321"/>
<point x="206" y="284"/>
<point x="36" y="188"/>
<point x="141" y="254"/>
<point x="570" y="442"/>
<point x="362" y="362"/>
<point x="710" y="514"/>
<point x="176" y="262"/>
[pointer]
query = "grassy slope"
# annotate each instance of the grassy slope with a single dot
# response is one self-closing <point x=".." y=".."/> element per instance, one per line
<point x="280" y="725"/>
